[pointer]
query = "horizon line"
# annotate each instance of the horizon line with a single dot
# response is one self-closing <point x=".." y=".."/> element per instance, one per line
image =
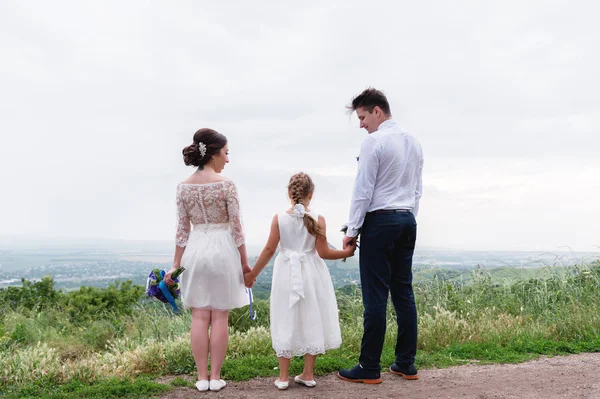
<point x="21" y="240"/>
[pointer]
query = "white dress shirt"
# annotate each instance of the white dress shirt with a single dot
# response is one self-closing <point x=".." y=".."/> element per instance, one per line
<point x="390" y="169"/>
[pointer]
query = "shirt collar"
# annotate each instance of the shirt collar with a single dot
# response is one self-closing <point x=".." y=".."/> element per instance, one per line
<point x="386" y="124"/>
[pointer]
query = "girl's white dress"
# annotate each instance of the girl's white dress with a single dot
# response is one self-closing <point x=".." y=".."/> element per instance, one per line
<point x="209" y="227"/>
<point x="304" y="313"/>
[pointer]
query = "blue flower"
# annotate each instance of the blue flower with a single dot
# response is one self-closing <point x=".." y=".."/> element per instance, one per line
<point x="153" y="290"/>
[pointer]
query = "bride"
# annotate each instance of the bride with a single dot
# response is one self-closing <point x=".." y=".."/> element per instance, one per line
<point x="210" y="245"/>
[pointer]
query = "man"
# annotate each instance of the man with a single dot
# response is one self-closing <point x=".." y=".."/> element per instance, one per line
<point x="384" y="204"/>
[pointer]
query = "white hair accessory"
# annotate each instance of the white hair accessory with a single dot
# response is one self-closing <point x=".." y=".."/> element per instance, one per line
<point x="299" y="211"/>
<point x="202" y="148"/>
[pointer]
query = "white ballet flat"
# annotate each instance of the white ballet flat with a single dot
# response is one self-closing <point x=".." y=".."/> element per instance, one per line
<point x="309" y="383"/>
<point x="217" y="385"/>
<point x="202" y="385"/>
<point x="281" y="385"/>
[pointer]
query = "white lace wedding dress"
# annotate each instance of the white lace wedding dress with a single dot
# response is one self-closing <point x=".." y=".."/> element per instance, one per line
<point x="210" y="228"/>
<point x="304" y="313"/>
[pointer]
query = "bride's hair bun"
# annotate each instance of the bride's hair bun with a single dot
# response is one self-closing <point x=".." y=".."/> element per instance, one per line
<point x="206" y="143"/>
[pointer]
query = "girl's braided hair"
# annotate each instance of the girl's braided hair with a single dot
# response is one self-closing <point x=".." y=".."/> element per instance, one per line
<point x="299" y="188"/>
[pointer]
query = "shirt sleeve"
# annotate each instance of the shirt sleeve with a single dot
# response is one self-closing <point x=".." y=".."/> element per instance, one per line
<point x="419" y="189"/>
<point x="183" y="220"/>
<point x="364" y="184"/>
<point x="234" y="213"/>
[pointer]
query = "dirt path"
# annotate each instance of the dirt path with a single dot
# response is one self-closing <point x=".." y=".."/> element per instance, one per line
<point x="575" y="376"/>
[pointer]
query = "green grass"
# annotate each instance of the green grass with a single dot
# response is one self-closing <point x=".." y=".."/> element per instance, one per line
<point x="181" y="382"/>
<point x="141" y="387"/>
<point x="79" y="348"/>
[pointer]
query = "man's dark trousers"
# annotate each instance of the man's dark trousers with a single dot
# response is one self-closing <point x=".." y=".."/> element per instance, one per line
<point x="387" y="243"/>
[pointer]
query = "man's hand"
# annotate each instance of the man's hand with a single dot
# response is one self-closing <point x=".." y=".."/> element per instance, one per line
<point x="347" y="240"/>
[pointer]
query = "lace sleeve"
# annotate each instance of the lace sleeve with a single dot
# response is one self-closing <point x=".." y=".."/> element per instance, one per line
<point x="183" y="220"/>
<point x="233" y="211"/>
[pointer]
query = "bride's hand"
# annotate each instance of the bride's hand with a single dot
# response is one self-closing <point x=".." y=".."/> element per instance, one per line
<point x="249" y="279"/>
<point x="246" y="268"/>
<point x="168" y="280"/>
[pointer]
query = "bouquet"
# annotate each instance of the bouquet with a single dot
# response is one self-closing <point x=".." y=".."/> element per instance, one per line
<point x="157" y="288"/>
<point x="345" y="230"/>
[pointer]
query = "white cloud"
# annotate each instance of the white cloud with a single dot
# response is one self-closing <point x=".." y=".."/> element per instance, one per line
<point x="98" y="99"/>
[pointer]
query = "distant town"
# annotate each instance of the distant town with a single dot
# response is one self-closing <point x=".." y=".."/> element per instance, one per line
<point x="72" y="267"/>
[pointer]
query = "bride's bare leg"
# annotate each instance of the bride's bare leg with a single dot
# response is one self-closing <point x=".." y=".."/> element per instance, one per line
<point x="199" y="341"/>
<point x="219" y="337"/>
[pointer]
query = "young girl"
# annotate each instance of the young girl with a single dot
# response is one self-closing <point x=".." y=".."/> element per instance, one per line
<point x="304" y="314"/>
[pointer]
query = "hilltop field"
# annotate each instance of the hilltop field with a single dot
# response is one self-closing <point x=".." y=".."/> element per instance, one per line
<point x="115" y="342"/>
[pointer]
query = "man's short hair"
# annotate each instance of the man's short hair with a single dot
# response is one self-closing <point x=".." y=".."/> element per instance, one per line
<point x="369" y="99"/>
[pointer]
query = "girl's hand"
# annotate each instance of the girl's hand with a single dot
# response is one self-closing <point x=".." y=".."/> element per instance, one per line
<point x="249" y="279"/>
<point x="350" y="249"/>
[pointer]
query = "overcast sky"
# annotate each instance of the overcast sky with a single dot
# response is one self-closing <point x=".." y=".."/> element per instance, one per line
<point x="97" y="100"/>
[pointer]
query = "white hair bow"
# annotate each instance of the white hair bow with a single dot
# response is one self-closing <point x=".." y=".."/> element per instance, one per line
<point x="299" y="211"/>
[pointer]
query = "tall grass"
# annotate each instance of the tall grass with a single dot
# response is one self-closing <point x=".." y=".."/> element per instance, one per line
<point x="479" y="319"/>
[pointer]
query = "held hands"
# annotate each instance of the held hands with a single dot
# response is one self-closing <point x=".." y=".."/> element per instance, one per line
<point x="246" y="268"/>
<point x="249" y="278"/>
<point x="349" y="247"/>
<point x="347" y="241"/>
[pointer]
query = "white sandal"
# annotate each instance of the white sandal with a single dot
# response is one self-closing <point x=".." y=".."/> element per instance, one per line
<point x="217" y="385"/>
<point x="308" y="383"/>
<point x="281" y="385"/>
<point x="202" y="385"/>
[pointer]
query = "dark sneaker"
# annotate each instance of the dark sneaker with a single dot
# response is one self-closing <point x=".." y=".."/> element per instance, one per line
<point x="358" y="374"/>
<point x="407" y="371"/>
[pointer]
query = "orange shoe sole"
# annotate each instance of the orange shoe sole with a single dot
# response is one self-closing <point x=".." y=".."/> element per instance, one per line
<point x="406" y="377"/>
<point x="364" y="381"/>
